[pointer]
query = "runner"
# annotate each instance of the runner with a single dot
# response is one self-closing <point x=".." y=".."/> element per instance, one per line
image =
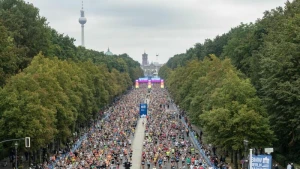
<point x="107" y="140"/>
<point x="167" y="139"/>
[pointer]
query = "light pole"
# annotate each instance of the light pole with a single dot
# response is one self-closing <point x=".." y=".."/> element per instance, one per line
<point x="16" y="146"/>
<point x="246" y="159"/>
<point x="250" y="159"/>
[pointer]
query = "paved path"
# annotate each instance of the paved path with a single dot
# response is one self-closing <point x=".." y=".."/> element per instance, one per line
<point x="138" y="144"/>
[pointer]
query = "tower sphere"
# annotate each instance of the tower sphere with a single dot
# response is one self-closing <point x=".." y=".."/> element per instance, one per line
<point x="82" y="20"/>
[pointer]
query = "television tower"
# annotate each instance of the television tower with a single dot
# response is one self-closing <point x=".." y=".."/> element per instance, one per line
<point x="82" y="21"/>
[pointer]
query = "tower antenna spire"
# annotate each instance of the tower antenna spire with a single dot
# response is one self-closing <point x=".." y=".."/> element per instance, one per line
<point x="82" y="21"/>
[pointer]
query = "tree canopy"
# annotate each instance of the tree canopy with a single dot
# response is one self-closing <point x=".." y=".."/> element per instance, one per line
<point x="266" y="52"/>
<point x="49" y="88"/>
<point x="52" y="97"/>
<point x="222" y="102"/>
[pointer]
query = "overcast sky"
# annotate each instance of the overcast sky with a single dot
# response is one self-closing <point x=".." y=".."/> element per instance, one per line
<point x="164" y="27"/>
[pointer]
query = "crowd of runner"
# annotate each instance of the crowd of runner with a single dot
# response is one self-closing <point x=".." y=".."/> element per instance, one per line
<point x="108" y="142"/>
<point x="166" y="143"/>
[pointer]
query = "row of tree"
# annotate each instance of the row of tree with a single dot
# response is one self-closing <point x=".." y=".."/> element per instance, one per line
<point x="50" y="99"/>
<point x="49" y="87"/>
<point x="24" y="34"/>
<point x="218" y="98"/>
<point x="266" y="52"/>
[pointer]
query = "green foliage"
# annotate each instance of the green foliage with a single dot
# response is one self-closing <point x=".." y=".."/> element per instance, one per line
<point x="23" y="113"/>
<point x="218" y="98"/>
<point x="26" y="27"/>
<point x="226" y="103"/>
<point x="9" y="56"/>
<point x="164" y="72"/>
<point x="280" y="77"/>
<point x="24" y="34"/>
<point x="267" y="52"/>
<point x="199" y="51"/>
<point x="123" y="63"/>
<point x="49" y="96"/>
<point x="52" y="97"/>
<point x="61" y="46"/>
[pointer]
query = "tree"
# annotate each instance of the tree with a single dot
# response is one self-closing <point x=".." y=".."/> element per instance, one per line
<point x="218" y="98"/>
<point x="26" y="30"/>
<point x="280" y="78"/>
<point x="23" y="114"/>
<point x="266" y="52"/>
<point x="9" y="56"/>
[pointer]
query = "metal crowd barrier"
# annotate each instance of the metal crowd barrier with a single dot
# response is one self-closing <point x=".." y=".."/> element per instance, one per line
<point x="198" y="145"/>
<point x="196" y="142"/>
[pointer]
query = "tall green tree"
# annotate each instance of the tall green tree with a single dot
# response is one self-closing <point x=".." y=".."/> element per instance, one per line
<point x="9" y="56"/>
<point x="23" y="114"/>
<point x="280" y="71"/>
<point x="218" y="98"/>
<point x="28" y="29"/>
<point x="267" y="53"/>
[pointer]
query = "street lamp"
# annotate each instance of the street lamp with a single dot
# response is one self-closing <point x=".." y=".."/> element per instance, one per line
<point x="16" y="146"/>
<point x="246" y="159"/>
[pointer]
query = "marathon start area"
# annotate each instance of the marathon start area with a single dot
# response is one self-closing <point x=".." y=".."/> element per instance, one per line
<point x="143" y="110"/>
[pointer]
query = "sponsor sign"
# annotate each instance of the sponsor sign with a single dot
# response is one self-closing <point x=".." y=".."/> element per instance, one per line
<point x="143" y="80"/>
<point x="155" y="80"/>
<point x="261" y="162"/>
<point x="143" y="110"/>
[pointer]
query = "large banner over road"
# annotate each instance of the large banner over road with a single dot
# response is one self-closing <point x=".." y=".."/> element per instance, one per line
<point x="155" y="80"/>
<point x="143" y="80"/>
<point x="143" y="110"/>
<point x="152" y="80"/>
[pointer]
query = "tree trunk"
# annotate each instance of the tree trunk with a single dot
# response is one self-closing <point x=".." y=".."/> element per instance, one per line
<point x="236" y="160"/>
<point x="53" y="145"/>
<point x="58" y="144"/>
<point x="34" y="156"/>
<point x="29" y="155"/>
<point x="231" y="156"/>
<point x="240" y="157"/>
<point x="40" y="155"/>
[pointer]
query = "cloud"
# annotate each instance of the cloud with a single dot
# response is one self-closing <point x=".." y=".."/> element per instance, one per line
<point x="167" y="27"/>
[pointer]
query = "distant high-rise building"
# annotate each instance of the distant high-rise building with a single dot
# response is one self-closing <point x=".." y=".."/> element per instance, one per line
<point x="82" y="21"/>
<point x="145" y="59"/>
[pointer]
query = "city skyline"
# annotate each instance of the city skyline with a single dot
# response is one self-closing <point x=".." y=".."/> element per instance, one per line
<point x="167" y="28"/>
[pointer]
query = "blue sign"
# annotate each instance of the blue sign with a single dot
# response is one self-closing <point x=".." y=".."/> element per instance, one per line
<point x="144" y="78"/>
<point x="143" y="110"/>
<point x="261" y="162"/>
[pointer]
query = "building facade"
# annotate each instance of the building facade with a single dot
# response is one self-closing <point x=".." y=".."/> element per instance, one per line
<point x="145" y="59"/>
<point x="150" y="70"/>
